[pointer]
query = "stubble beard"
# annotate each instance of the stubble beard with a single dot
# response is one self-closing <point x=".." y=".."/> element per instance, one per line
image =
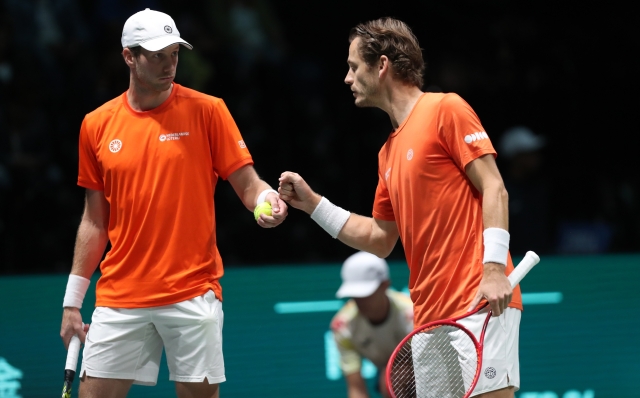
<point x="151" y="85"/>
<point x="365" y="97"/>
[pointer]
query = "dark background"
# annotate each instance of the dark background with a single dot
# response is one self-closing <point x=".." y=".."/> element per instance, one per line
<point x="567" y="71"/>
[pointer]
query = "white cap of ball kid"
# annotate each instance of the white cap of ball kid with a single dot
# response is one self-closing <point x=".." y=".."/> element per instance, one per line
<point x="151" y="30"/>
<point x="362" y="273"/>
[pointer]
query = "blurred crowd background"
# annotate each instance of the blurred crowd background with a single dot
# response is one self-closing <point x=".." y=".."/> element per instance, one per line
<point x="554" y="84"/>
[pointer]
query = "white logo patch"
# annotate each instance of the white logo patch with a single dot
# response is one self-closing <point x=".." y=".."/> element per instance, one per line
<point x="115" y="145"/>
<point x="172" y="136"/>
<point x="242" y="144"/>
<point x="410" y="154"/>
<point x="386" y="174"/>
<point x="477" y="136"/>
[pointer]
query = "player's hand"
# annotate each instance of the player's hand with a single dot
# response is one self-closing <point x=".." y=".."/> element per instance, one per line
<point x="72" y="324"/>
<point x="279" y="211"/>
<point x="494" y="287"/>
<point x="295" y="191"/>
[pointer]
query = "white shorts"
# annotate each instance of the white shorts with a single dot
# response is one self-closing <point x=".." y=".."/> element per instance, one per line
<point x="500" y="365"/>
<point x="127" y="343"/>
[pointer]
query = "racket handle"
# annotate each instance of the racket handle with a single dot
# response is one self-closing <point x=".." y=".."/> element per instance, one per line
<point x="524" y="266"/>
<point x="72" y="353"/>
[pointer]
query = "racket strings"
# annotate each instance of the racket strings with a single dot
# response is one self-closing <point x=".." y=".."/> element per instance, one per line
<point x="440" y="362"/>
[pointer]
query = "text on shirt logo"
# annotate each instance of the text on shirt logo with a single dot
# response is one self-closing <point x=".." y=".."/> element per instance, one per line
<point x="172" y="136"/>
<point x="477" y="136"/>
<point x="115" y="145"/>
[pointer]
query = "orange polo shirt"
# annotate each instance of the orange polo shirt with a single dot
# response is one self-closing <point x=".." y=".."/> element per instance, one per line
<point x="158" y="170"/>
<point x="423" y="187"/>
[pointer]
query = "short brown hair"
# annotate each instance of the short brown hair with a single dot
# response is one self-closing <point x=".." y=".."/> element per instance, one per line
<point x="136" y="51"/>
<point x="393" y="38"/>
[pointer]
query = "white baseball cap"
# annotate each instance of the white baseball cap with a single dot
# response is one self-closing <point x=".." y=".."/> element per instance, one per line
<point x="362" y="273"/>
<point x="152" y="30"/>
<point x="520" y="139"/>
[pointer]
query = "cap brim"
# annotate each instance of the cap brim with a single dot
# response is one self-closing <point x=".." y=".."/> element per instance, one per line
<point x="357" y="289"/>
<point x="159" y="43"/>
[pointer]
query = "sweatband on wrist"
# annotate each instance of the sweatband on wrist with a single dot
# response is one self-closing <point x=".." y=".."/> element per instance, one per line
<point x="330" y="217"/>
<point x="496" y="246"/>
<point x="76" y="289"/>
<point x="263" y="195"/>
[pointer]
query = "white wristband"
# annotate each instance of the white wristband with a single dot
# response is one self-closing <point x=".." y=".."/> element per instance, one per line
<point x="263" y="196"/>
<point x="496" y="246"/>
<point x="330" y="217"/>
<point x="76" y="289"/>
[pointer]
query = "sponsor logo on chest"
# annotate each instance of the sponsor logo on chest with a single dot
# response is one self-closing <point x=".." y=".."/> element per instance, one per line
<point x="173" y="136"/>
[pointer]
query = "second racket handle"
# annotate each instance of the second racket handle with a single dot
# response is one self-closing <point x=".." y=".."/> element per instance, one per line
<point x="72" y="353"/>
<point x="529" y="261"/>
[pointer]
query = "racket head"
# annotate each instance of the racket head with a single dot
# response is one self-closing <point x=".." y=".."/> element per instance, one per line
<point x="439" y="359"/>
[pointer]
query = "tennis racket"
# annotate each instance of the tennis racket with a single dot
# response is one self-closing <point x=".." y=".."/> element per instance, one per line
<point x="70" y="367"/>
<point x="443" y="359"/>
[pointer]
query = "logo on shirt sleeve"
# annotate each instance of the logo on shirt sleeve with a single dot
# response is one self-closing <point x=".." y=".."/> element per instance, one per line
<point x="242" y="144"/>
<point x="477" y="136"/>
<point x="410" y="154"/>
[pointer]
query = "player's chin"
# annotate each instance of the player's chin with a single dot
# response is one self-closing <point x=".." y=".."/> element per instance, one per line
<point x="361" y="102"/>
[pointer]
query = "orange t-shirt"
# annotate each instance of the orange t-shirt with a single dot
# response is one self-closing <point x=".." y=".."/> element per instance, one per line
<point x="158" y="170"/>
<point x="423" y="186"/>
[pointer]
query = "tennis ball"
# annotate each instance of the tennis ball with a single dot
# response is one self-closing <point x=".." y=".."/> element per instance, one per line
<point x="262" y="208"/>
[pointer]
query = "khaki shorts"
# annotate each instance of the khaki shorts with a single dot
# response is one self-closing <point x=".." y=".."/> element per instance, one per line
<point x="125" y="343"/>
<point x="500" y="365"/>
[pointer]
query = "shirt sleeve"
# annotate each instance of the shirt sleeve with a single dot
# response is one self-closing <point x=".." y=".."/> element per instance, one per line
<point x="89" y="173"/>
<point x="228" y="149"/>
<point x="350" y="360"/>
<point x="382" y="208"/>
<point x="461" y="132"/>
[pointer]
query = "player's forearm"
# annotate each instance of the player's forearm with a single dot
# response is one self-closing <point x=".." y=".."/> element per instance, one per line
<point x="496" y="237"/>
<point x="495" y="207"/>
<point x="91" y="242"/>
<point x="362" y="233"/>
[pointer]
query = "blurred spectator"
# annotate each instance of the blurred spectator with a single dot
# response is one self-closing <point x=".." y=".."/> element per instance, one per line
<point x="253" y="33"/>
<point x="528" y="188"/>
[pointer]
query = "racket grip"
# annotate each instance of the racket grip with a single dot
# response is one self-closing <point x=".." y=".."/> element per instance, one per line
<point x="72" y="353"/>
<point x="524" y="266"/>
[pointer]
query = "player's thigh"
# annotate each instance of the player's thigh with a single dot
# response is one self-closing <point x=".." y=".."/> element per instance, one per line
<point x="502" y="393"/>
<point x="95" y="387"/>
<point x="122" y="344"/>
<point x="197" y="390"/>
<point x="192" y="336"/>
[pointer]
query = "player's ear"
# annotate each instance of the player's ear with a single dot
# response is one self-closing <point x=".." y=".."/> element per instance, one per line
<point x="383" y="66"/>
<point x="128" y="56"/>
<point x="385" y="285"/>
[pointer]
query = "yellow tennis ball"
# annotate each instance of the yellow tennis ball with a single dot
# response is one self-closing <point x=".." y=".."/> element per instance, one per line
<point x="262" y="208"/>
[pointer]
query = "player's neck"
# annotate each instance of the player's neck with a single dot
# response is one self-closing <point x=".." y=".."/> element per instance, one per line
<point x="142" y="99"/>
<point x="399" y="102"/>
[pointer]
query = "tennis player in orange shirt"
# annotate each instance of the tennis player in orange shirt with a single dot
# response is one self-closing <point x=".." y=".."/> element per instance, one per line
<point x="439" y="191"/>
<point x="150" y="160"/>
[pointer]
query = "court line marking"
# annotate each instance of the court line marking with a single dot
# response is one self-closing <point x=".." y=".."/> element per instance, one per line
<point x="300" y="307"/>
